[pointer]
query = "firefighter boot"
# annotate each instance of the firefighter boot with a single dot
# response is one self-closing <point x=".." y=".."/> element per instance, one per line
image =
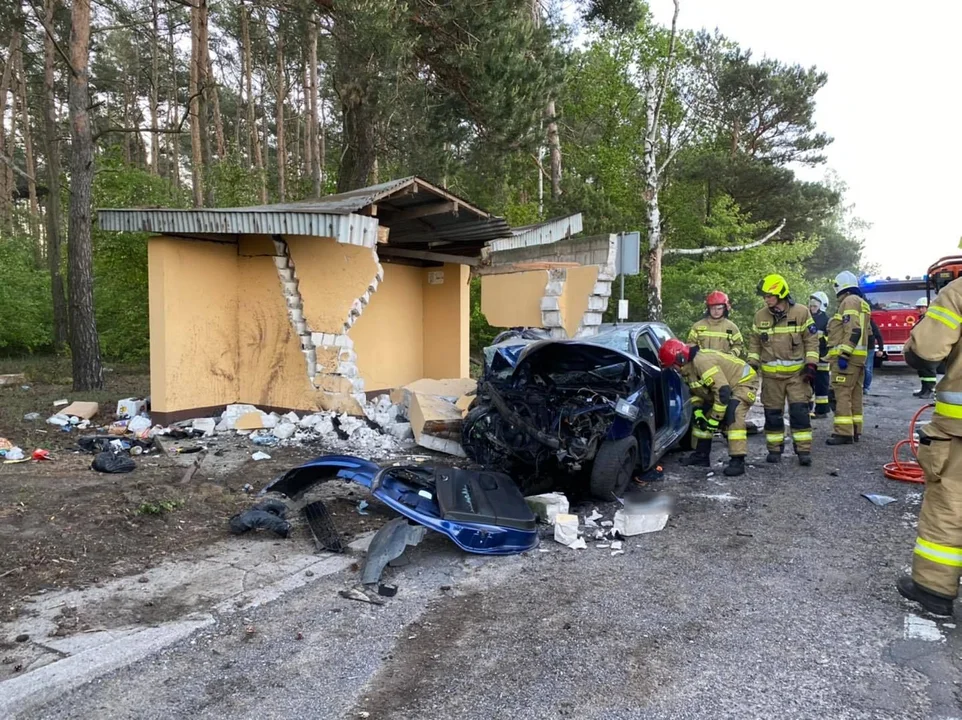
<point x="840" y="440"/>
<point x="935" y="604"/>
<point x="775" y="455"/>
<point x="735" y="467"/>
<point x="926" y="392"/>
<point x="804" y="459"/>
<point x="701" y="457"/>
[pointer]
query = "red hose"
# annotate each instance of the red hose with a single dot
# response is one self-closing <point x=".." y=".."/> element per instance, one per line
<point x="908" y="470"/>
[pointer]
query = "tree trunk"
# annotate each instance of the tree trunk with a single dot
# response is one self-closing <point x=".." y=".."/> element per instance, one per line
<point x="652" y="209"/>
<point x="218" y="119"/>
<point x="10" y="181"/>
<point x="308" y="139"/>
<point x="154" y="89"/>
<point x="266" y="158"/>
<point x="203" y="88"/>
<point x="316" y="164"/>
<point x="245" y="50"/>
<point x="6" y="191"/>
<point x="31" y="166"/>
<point x="53" y="215"/>
<point x="88" y="372"/>
<point x="321" y="139"/>
<point x="173" y="111"/>
<point x="196" y="147"/>
<point x="281" y="87"/>
<point x="554" y="148"/>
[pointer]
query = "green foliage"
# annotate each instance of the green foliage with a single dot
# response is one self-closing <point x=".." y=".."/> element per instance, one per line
<point x="159" y="507"/>
<point x="481" y="333"/>
<point x="120" y="260"/>
<point x="233" y="183"/>
<point x="26" y="314"/>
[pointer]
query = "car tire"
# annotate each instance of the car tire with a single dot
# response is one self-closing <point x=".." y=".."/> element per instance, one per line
<point x="613" y="468"/>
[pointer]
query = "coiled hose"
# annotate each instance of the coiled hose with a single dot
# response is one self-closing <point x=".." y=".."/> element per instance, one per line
<point x="907" y="470"/>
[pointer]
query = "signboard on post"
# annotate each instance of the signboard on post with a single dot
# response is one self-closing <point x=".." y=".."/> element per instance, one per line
<point x="627" y="262"/>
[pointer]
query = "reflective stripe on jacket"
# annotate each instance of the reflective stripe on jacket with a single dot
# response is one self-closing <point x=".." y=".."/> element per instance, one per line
<point x="721" y="334"/>
<point x="782" y="344"/>
<point x="849" y="329"/>
<point x="710" y="371"/>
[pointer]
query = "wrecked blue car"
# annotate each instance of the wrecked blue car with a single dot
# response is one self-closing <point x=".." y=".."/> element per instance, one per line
<point x="481" y="511"/>
<point x="564" y="413"/>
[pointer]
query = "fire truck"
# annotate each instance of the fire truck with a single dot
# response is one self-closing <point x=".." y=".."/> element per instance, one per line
<point x="895" y="303"/>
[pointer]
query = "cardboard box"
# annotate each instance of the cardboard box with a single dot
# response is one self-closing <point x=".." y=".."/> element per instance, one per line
<point x="129" y="407"/>
<point x="81" y="409"/>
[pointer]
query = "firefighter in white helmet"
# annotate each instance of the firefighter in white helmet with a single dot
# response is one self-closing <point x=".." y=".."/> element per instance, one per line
<point x="848" y="333"/>
<point x="818" y="306"/>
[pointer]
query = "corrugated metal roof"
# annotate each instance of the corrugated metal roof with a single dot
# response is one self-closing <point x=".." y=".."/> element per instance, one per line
<point x="542" y="234"/>
<point x="349" y="228"/>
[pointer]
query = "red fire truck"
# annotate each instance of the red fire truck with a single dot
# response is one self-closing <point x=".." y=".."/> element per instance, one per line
<point x="895" y="302"/>
<point x="894" y="311"/>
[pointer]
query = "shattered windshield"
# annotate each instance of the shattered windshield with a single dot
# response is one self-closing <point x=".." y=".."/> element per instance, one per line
<point x="615" y="340"/>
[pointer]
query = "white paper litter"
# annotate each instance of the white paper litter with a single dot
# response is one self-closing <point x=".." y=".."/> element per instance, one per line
<point x="606" y="523"/>
<point x="617" y="552"/>
<point x="638" y="523"/>
<point x="595" y="515"/>
<point x="566" y="528"/>
<point x="260" y="455"/>
<point x="578" y="544"/>
<point x="617" y="545"/>
<point x="14" y="453"/>
<point x="204" y="425"/>
<point x="59" y="419"/>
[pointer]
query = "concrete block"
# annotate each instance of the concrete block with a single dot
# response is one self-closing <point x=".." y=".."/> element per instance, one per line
<point x="296" y="314"/>
<point x="323" y="339"/>
<point x="294" y="302"/>
<point x="347" y="355"/>
<point x="599" y="304"/>
<point x="306" y="343"/>
<point x="379" y="275"/>
<point x="301" y="327"/>
<point x="373" y="286"/>
<point x="280" y="261"/>
<point x="347" y="370"/>
<point x="357" y="385"/>
<point x="349" y="323"/>
<point x="551" y="318"/>
<point x="591" y="318"/>
<point x="550" y="303"/>
<point x="606" y="274"/>
<point x="343" y="341"/>
<point x="602" y="289"/>
<point x="280" y="246"/>
<point x="448" y="447"/>
<point x="286" y="274"/>
<point x="365" y="298"/>
<point x="333" y="384"/>
<point x="402" y="431"/>
<point x="554" y="288"/>
<point x="290" y="287"/>
<point x="558" y="333"/>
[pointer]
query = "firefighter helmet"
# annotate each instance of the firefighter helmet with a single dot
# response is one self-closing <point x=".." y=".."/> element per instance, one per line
<point x="845" y="281"/>
<point x="822" y="298"/>
<point x="922" y="302"/>
<point x="774" y="285"/>
<point x="673" y="352"/>
<point x="717" y="297"/>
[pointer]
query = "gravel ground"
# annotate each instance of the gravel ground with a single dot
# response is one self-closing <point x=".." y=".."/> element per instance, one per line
<point x="768" y="596"/>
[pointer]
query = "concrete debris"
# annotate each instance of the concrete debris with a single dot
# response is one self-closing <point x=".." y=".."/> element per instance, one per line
<point x="548" y="506"/>
<point x="286" y="430"/>
<point x="204" y="425"/>
<point x="566" y="529"/>
<point x="636" y="521"/>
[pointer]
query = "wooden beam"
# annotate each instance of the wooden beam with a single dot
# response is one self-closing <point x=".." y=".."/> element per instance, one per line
<point x="389" y="251"/>
<point x="437" y="208"/>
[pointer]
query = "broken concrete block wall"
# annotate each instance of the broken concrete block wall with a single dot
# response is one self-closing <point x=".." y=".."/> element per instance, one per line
<point x="272" y="321"/>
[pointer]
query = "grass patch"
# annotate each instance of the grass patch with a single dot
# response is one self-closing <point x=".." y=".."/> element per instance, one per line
<point x="160" y="507"/>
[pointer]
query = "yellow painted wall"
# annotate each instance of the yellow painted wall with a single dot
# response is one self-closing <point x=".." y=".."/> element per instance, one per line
<point x="447" y="316"/>
<point x="193" y="296"/>
<point x="388" y="335"/>
<point x="332" y="276"/>
<point x="273" y="370"/>
<point x="513" y="299"/>
<point x="579" y="283"/>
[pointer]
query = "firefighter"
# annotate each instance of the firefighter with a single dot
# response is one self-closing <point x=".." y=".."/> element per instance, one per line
<point x="784" y="345"/>
<point x="818" y="306"/>
<point x="926" y="377"/>
<point x="715" y="331"/>
<point x="848" y="333"/>
<point x="726" y="387"/>
<point x="937" y="562"/>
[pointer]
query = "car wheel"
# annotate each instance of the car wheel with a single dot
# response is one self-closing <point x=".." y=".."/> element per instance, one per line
<point x="613" y="468"/>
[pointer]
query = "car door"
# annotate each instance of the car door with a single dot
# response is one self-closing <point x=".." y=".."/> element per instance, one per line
<point x="676" y="390"/>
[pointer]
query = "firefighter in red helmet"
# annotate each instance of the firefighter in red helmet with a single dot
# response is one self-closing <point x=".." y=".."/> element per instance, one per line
<point x="723" y="388"/>
<point x="715" y="331"/>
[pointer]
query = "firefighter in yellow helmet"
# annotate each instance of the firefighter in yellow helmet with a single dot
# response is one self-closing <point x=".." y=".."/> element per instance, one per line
<point x="784" y="346"/>
<point x="937" y="562"/>
<point x="715" y="331"/>
<point x="848" y="334"/>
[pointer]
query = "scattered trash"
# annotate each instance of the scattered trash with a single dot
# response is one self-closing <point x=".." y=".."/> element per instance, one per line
<point x="617" y="545"/>
<point x="643" y="513"/>
<point x="362" y="508"/>
<point x="12" y="379"/>
<point x="322" y="528"/>
<point x="107" y="443"/>
<point x="387" y="590"/>
<point x="267" y="515"/>
<point x="264" y="440"/>
<point x="565" y="528"/>
<point x="129" y="407"/>
<point x="81" y="409"/>
<point x="918" y="628"/>
<point x="615" y="553"/>
<point x="11" y="455"/>
<point x="548" y="506"/>
<point x="578" y="544"/>
<point x="595" y="515"/>
<point x="22" y="638"/>
<point x="285" y="430"/>
<point x="5" y="444"/>
<point x="59" y="419"/>
<point x="206" y="426"/>
<point x="40" y="454"/>
<point x="742" y="533"/>
<point x="260" y="456"/>
<point x="834" y="473"/>
<point x="108" y="462"/>
<point x="880" y="500"/>
<point x="361" y="595"/>
<point x="32" y="417"/>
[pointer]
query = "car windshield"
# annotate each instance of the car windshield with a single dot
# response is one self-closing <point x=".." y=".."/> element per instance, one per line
<point x="620" y="341"/>
<point x="893" y="299"/>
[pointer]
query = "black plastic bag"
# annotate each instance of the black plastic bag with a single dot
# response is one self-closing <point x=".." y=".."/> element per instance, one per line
<point x="108" y="462"/>
<point x="274" y="507"/>
<point x="101" y="443"/>
<point x="259" y="520"/>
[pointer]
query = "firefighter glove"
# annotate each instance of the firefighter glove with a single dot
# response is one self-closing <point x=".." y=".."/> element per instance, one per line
<point x="842" y="362"/>
<point x="701" y="422"/>
<point x="808" y="374"/>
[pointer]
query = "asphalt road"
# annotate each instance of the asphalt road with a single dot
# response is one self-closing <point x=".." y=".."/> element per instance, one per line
<point x="767" y="596"/>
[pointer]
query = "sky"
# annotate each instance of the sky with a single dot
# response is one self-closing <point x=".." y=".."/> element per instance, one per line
<point x="893" y="103"/>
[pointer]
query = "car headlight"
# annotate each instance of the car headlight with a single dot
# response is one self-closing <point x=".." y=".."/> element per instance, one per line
<point x="626" y="409"/>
